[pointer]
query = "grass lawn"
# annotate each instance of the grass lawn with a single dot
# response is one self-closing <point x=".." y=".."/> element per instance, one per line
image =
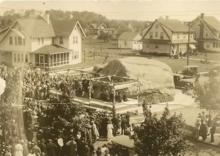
<point x="177" y="64"/>
<point x="214" y="57"/>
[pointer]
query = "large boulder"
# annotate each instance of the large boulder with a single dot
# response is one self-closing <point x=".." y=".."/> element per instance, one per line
<point x="155" y="77"/>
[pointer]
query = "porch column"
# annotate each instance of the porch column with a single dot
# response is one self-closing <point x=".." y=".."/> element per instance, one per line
<point x="113" y="88"/>
<point x="90" y="89"/>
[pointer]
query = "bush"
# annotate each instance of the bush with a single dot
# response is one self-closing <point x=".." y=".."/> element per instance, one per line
<point x="154" y="53"/>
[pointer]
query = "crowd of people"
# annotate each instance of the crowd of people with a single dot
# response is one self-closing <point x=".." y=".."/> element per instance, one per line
<point x="36" y="87"/>
<point x="204" y="127"/>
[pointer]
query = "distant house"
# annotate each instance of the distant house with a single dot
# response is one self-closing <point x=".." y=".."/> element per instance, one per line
<point x="130" y="40"/>
<point x="97" y="29"/>
<point x="207" y="32"/>
<point x="131" y="27"/>
<point x="41" y="42"/>
<point x="167" y="36"/>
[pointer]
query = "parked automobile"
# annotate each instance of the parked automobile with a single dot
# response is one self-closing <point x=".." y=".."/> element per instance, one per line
<point x="181" y="82"/>
<point x="189" y="71"/>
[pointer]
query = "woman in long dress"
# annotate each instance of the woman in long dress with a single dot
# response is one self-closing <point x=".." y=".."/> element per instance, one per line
<point x="109" y="130"/>
<point x="18" y="149"/>
<point x="95" y="131"/>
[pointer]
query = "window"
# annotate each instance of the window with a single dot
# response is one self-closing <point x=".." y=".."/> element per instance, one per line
<point x="125" y="43"/>
<point x="74" y="41"/>
<point x="42" y="40"/>
<point x="23" y="41"/>
<point x="53" y="40"/>
<point x="156" y="25"/>
<point x="18" y="55"/>
<point x="207" y="46"/>
<point x="178" y="36"/>
<point x="151" y="34"/>
<point x="75" y="55"/>
<point x="191" y="36"/>
<point x="213" y="44"/>
<point x="184" y="36"/>
<point x="10" y="40"/>
<point x="206" y="34"/>
<point x="22" y="57"/>
<point x="156" y="34"/>
<point x="26" y="58"/>
<point x="19" y="41"/>
<point x="15" y="57"/>
<point x="38" y="41"/>
<point x="16" y="41"/>
<point x="162" y="35"/>
<point x="61" y="40"/>
<point x="156" y="46"/>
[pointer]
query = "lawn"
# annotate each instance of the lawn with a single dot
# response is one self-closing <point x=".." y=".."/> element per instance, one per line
<point x="212" y="56"/>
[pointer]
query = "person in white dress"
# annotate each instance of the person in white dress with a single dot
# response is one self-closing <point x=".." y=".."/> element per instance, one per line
<point x="18" y="149"/>
<point x="109" y="131"/>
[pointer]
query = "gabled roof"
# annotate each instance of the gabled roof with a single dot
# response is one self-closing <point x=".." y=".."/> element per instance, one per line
<point x="36" y="27"/>
<point x="51" y="49"/>
<point x="93" y="25"/>
<point x="3" y="32"/>
<point x="174" y="25"/>
<point x="212" y="22"/>
<point x="128" y="35"/>
<point x="63" y="27"/>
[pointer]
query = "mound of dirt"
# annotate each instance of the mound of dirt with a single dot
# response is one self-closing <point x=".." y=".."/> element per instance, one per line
<point x="155" y="77"/>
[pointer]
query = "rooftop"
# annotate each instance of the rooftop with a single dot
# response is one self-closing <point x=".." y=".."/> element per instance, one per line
<point x="174" y="25"/>
<point x="128" y="35"/>
<point x="212" y="22"/>
<point x="63" y="27"/>
<point x="51" y="49"/>
<point x="36" y="27"/>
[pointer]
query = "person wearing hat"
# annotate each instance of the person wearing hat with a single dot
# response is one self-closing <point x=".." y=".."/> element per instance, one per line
<point x="73" y="147"/>
<point x="43" y="147"/>
<point x="51" y="148"/>
<point x="36" y="149"/>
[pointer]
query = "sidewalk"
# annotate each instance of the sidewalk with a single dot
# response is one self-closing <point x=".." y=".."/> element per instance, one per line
<point x="197" y="59"/>
<point x="208" y="140"/>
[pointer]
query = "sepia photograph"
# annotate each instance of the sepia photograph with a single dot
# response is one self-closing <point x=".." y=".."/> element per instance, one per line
<point x="109" y="78"/>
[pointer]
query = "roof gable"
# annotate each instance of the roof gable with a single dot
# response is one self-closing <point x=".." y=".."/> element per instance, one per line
<point x="128" y="35"/>
<point x="36" y="27"/>
<point x="174" y="25"/>
<point x="212" y="22"/>
<point x="63" y="27"/>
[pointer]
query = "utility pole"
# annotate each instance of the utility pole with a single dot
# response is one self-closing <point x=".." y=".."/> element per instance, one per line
<point x="188" y="45"/>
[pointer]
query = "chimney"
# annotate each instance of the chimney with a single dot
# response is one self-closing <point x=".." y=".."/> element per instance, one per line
<point x="202" y="15"/>
<point x="46" y="18"/>
<point x="167" y="17"/>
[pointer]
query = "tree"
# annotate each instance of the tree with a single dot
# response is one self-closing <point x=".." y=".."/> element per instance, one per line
<point x="62" y="118"/>
<point x="159" y="137"/>
<point x="207" y="94"/>
<point x="105" y="36"/>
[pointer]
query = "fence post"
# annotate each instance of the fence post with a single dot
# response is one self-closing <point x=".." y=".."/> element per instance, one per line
<point x="94" y="54"/>
<point x="84" y="53"/>
<point x="120" y="51"/>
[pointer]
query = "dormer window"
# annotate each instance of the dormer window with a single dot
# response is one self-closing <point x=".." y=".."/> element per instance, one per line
<point x="76" y="39"/>
<point x="19" y="41"/>
<point x="10" y="40"/>
<point x="53" y="40"/>
<point x="61" y="40"/>
<point x="151" y="34"/>
<point x="162" y="35"/>
<point x="178" y="36"/>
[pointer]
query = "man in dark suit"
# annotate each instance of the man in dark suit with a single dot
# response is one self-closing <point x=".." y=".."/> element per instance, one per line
<point x="123" y="125"/>
<point x="212" y="132"/>
<point x="51" y="148"/>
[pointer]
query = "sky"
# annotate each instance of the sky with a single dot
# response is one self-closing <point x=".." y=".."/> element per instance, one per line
<point x="144" y="10"/>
